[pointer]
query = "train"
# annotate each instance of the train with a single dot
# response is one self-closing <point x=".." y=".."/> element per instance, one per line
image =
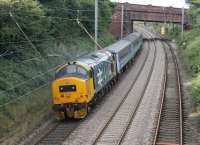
<point x="79" y="84"/>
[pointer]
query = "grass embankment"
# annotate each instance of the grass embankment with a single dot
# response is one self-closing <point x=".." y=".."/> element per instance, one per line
<point x="24" y="114"/>
<point x="191" y="53"/>
<point x="24" y="107"/>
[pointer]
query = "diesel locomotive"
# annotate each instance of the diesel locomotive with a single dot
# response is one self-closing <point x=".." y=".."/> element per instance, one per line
<point x="78" y="84"/>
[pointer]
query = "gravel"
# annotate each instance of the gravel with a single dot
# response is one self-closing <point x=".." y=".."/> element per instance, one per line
<point x="140" y="131"/>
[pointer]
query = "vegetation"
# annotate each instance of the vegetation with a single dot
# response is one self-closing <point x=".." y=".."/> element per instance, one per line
<point x="190" y="43"/>
<point x="195" y="89"/>
<point x="191" y="48"/>
<point x="27" y="65"/>
<point x="171" y="30"/>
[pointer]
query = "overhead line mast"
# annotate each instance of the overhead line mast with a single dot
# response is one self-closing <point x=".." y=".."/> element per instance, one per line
<point x="122" y="20"/>
<point x="182" y="22"/>
<point x="96" y="23"/>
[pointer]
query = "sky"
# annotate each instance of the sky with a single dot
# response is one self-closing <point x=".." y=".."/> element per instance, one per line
<point x="173" y="3"/>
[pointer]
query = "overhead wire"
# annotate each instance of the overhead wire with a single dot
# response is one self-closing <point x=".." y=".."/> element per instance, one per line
<point x="19" y="49"/>
<point x="36" y="40"/>
<point x="53" y="8"/>
<point x="39" y="75"/>
<point x="65" y="9"/>
<point x="11" y="15"/>
<point x="73" y="19"/>
<point x="14" y="100"/>
<point x="33" y="58"/>
<point x="17" y="98"/>
<point x="33" y="40"/>
<point x="4" y="53"/>
<point x="32" y="78"/>
<point x="19" y="27"/>
<point x="82" y="26"/>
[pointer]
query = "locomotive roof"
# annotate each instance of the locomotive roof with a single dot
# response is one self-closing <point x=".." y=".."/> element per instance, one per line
<point x="90" y="60"/>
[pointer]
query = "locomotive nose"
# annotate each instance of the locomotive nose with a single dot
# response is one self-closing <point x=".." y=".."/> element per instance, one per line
<point x="69" y="90"/>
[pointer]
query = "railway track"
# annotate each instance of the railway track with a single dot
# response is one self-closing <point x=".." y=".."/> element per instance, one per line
<point x="169" y="129"/>
<point x="58" y="133"/>
<point x="126" y="109"/>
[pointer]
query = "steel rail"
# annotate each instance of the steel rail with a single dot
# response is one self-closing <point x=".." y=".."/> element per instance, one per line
<point x="179" y="92"/>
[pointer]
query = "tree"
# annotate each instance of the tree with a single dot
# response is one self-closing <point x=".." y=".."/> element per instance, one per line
<point x="28" y="14"/>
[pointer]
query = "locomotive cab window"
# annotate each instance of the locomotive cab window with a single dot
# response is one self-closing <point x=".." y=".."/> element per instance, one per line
<point x="72" y="71"/>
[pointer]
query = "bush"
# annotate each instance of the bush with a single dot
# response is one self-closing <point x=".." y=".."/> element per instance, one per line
<point x="28" y="14"/>
<point x="192" y="55"/>
<point x="196" y="89"/>
<point x="188" y="37"/>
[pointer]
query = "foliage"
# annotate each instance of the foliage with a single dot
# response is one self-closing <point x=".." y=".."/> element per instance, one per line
<point x="196" y="89"/>
<point x="28" y="14"/>
<point x="191" y="40"/>
<point x="192" y="54"/>
<point x="106" y="39"/>
<point x="52" y="28"/>
<point x="194" y="12"/>
<point x="193" y="2"/>
<point x="190" y="47"/>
